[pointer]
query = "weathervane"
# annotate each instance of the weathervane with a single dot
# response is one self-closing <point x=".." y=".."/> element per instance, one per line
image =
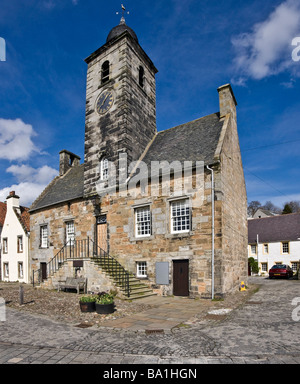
<point x="123" y="13"/>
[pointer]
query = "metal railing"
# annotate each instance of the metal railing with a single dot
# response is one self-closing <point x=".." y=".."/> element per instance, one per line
<point x="73" y="250"/>
<point x="111" y="266"/>
<point x="85" y="249"/>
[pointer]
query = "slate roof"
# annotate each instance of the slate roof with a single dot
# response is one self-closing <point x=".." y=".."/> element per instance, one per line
<point x="62" y="189"/>
<point x="193" y="141"/>
<point x="274" y="228"/>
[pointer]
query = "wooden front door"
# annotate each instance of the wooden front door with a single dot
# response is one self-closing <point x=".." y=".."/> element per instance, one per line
<point x="102" y="233"/>
<point x="181" y="277"/>
<point x="44" y="271"/>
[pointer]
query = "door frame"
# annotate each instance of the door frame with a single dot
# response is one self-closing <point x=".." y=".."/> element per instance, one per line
<point x="102" y="220"/>
<point x="181" y="288"/>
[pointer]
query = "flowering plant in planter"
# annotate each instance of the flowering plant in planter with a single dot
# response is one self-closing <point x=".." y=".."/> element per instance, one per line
<point x="87" y="303"/>
<point x="87" y="299"/>
<point x="105" y="298"/>
<point x="105" y="303"/>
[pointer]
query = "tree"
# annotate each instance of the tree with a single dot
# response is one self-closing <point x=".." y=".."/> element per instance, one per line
<point x="253" y="207"/>
<point x="269" y="206"/>
<point x="287" y="209"/>
<point x="295" y="206"/>
<point x="253" y="264"/>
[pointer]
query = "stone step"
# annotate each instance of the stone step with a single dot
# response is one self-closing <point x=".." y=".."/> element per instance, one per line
<point x="136" y="297"/>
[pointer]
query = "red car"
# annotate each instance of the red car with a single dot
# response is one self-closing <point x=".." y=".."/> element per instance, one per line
<point x="280" y="270"/>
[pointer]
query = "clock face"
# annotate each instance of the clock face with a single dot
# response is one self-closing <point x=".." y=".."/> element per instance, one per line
<point x="104" y="102"/>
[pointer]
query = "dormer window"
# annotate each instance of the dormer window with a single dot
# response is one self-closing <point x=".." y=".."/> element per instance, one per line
<point x="141" y="76"/>
<point x="105" y="72"/>
<point x="104" y="169"/>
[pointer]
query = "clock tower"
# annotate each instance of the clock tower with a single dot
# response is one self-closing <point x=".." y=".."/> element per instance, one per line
<point x="120" y="103"/>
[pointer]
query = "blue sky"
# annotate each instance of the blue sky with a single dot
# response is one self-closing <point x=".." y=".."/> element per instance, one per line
<point x="197" y="46"/>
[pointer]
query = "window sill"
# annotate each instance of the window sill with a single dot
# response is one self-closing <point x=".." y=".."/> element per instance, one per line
<point x="179" y="235"/>
<point x="142" y="238"/>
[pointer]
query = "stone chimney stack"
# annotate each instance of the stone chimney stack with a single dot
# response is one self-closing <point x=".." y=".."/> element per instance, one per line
<point x="227" y="101"/>
<point x="13" y="201"/>
<point x="67" y="160"/>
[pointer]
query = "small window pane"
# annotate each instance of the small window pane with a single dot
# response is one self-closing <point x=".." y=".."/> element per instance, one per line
<point x="70" y="238"/>
<point x="141" y="269"/>
<point x="44" y="236"/>
<point x="104" y="169"/>
<point x="20" y="244"/>
<point x="6" y="270"/>
<point x="143" y="221"/>
<point x="20" y="270"/>
<point x="180" y="216"/>
<point x="295" y="266"/>
<point x="285" y="247"/>
<point x="5" y="245"/>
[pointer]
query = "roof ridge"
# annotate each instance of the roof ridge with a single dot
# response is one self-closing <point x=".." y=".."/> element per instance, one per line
<point x="188" y="122"/>
<point x="276" y="215"/>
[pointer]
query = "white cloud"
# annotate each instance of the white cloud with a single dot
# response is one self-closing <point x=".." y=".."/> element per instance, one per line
<point x="267" y="49"/>
<point x="16" y="140"/>
<point x="25" y="173"/>
<point x="31" y="182"/>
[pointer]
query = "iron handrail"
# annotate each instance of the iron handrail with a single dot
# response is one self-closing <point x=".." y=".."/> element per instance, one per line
<point x="113" y="267"/>
<point x="81" y="249"/>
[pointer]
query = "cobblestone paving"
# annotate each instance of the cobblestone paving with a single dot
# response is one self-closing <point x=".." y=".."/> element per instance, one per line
<point x="262" y="331"/>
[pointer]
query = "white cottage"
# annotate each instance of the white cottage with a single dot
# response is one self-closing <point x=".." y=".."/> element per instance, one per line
<point x="15" y="241"/>
<point x="275" y="240"/>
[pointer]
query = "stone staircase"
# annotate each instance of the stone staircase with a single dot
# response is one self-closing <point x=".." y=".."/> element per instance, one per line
<point x="134" y="289"/>
<point x="130" y="287"/>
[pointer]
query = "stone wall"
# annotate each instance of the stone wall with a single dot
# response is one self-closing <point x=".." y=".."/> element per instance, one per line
<point x="234" y="265"/>
<point x="56" y="217"/>
<point x="162" y="245"/>
<point x="97" y="281"/>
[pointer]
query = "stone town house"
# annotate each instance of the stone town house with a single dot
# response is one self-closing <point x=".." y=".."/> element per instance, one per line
<point x="164" y="238"/>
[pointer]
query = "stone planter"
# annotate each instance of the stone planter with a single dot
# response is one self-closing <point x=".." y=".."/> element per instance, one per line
<point x="104" y="309"/>
<point x="87" y="307"/>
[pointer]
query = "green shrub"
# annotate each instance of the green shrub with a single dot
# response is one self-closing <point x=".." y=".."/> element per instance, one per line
<point x="253" y="264"/>
<point x="88" y="299"/>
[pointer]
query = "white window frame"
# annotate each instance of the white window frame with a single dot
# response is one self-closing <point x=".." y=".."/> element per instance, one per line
<point x="70" y="233"/>
<point x="264" y="267"/>
<point x="20" y="244"/>
<point x="141" y="269"/>
<point x="283" y="244"/>
<point x="20" y="270"/>
<point x="142" y="221"/>
<point x="44" y="236"/>
<point x="104" y="169"/>
<point x="5" y="245"/>
<point x="266" y="248"/>
<point x="251" y="249"/>
<point x="180" y="216"/>
<point x="295" y="265"/>
<point x="6" y="269"/>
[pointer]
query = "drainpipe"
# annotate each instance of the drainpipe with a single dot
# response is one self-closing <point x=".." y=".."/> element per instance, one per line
<point x="213" y="233"/>
<point x="257" y="242"/>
